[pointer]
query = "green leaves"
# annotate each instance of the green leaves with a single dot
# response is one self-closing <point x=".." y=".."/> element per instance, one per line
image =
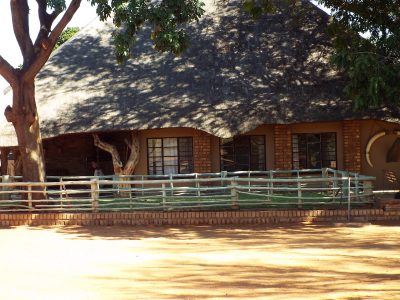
<point x="68" y="33"/>
<point x="166" y="17"/>
<point x="373" y="80"/>
<point x="367" y="42"/>
<point x="257" y="8"/>
<point x="57" y="5"/>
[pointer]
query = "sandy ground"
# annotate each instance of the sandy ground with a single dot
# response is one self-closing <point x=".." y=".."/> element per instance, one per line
<point x="296" y="262"/>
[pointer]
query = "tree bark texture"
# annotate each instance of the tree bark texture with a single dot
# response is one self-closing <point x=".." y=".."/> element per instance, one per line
<point x="119" y="168"/>
<point x="23" y="113"/>
<point x="4" y="160"/>
<point x="25" y="120"/>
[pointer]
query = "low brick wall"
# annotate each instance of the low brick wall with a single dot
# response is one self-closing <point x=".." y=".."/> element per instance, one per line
<point x="197" y="218"/>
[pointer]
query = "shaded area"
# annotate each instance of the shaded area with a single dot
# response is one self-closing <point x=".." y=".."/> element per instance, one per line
<point x="247" y="262"/>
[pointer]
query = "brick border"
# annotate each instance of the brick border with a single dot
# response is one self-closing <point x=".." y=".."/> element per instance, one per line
<point x="202" y="152"/>
<point x="197" y="218"/>
<point x="282" y="147"/>
<point x="352" y="146"/>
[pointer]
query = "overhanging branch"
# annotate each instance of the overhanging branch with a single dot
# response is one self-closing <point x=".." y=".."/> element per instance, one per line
<point x="117" y="163"/>
<point x="47" y="44"/>
<point x="20" y="21"/>
<point x="7" y="71"/>
<point x="46" y="21"/>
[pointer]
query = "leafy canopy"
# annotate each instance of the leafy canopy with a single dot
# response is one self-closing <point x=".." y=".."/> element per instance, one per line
<point x="166" y="16"/>
<point x="129" y="16"/>
<point x="366" y="38"/>
<point x="372" y="61"/>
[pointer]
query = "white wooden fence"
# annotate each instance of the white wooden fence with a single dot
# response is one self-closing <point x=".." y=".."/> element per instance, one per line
<point x="302" y="189"/>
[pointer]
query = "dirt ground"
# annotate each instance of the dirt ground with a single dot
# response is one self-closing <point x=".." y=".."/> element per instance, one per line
<point x="335" y="261"/>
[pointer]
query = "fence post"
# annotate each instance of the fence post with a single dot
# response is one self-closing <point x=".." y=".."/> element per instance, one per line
<point x="142" y="185"/>
<point x="271" y="176"/>
<point x="335" y="185"/>
<point x="94" y="191"/>
<point x="164" y="194"/>
<point x="348" y="201"/>
<point x="171" y="185"/>
<point x="30" y="196"/>
<point x="61" y="193"/>
<point x="299" y="194"/>
<point x="223" y="175"/>
<point x="346" y="187"/>
<point x="325" y="172"/>
<point x="234" y="193"/>
<point x="357" y="186"/>
<point x="249" y="183"/>
<point x="196" y="176"/>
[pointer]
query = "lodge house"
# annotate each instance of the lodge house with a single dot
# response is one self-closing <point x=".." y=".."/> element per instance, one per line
<point x="247" y="95"/>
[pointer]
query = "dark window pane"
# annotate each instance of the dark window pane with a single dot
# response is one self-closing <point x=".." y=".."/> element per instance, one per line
<point x="314" y="150"/>
<point x="242" y="153"/>
<point x="257" y="160"/>
<point x="314" y="156"/>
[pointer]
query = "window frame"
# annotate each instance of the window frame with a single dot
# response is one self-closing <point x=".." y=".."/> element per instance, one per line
<point x="249" y="150"/>
<point x="163" y="156"/>
<point x="320" y="149"/>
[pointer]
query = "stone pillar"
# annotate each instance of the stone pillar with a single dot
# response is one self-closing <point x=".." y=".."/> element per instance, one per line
<point x="352" y="146"/>
<point x="282" y="147"/>
<point x="202" y="152"/>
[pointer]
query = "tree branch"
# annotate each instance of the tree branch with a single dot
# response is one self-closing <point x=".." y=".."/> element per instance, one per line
<point x="134" y="155"/>
<point x="20" y="20"/>
<point x="7" y="71"/>
<point x="46" y="21"/>
<point x="47" y="44"/>
<point x="117" y="163"/>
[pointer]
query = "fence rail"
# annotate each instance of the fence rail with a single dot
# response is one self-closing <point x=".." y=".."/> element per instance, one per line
<point x="203" y="191"/>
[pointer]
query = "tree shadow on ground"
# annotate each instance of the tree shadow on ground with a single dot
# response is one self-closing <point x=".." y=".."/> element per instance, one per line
<point x="323" y="261"/>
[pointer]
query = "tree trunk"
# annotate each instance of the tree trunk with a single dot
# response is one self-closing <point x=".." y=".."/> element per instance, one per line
<point x="119" y="168"/>
<point x="25" y="120"/>
<point x="4" y="160"/>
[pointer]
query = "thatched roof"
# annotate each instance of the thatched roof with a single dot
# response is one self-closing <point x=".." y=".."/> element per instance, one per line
<point x="237" y="74"/>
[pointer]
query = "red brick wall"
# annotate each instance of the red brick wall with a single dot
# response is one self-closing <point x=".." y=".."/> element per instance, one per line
<point x="352" y="146"/>
<point x="202" y="152"/>
<point x="282" y="147"/>
<point x="197" y="218"/>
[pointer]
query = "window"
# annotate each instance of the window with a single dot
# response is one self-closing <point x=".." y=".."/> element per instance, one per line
<point x="314" y="150"/>
<point x="243" y="153"/>
<point x="170" y="155"/>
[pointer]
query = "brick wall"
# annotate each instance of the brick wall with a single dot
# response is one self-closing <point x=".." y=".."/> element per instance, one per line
<point x="352" y="146"/>
<point x="197" y="218"/>
<point x="202" y="152"/>
<point x="283" y="147"/>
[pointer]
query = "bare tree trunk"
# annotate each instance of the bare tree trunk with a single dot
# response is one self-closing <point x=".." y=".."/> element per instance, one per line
<point x="133" y="159"/>
<point x="23" y="113"/>
<point x="4" y="160"/>
<point x="25" y="120"/>
<point x="119" y="168"/>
